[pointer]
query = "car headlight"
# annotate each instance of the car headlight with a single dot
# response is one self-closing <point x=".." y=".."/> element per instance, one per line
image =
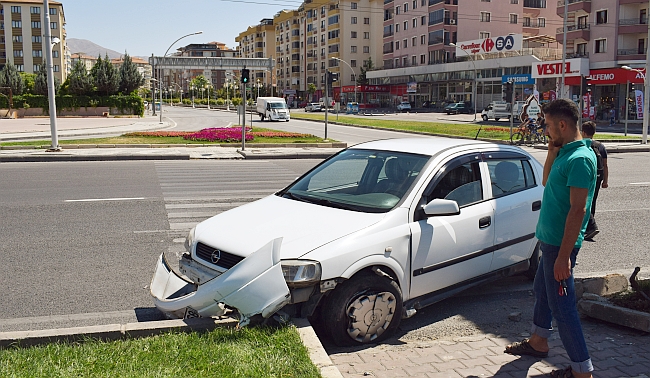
<point x="189" y="241"/>
<point x="301" y="272"/>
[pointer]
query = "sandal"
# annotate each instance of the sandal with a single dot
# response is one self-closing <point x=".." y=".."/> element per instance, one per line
<point x="522" y="348"/>
<point x="562" y="373"/>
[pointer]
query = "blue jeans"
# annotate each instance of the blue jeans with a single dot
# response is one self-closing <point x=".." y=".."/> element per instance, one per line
<point x="549" y="304"/>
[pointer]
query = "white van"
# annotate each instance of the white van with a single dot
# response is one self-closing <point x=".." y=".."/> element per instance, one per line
<point x="501" y="109"/>
<point x="273" y="109"/>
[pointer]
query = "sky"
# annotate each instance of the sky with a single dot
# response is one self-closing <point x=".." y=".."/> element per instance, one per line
<point x="145" y="27"/>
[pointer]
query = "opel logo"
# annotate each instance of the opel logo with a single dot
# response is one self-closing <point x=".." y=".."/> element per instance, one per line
<point x="216" y="256"/>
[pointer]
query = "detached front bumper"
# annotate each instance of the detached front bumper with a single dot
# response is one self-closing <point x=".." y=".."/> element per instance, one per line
<point x="254" y="286"/>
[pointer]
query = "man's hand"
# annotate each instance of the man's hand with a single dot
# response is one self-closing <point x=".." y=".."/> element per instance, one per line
<point x="604" y="185"/>
<point x="562" y="269"/>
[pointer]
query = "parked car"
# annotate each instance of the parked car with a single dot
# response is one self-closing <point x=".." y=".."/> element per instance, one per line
<point x="404" y="106"/>
<point x="456" y="108"/>
<point x="364" y="239"/>
<point x="302" y="104"/>
<point x="313" y="107"/>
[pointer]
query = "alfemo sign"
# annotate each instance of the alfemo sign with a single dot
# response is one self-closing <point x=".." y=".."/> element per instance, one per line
<point x="490" y="45"/>
<point x="572" y="67"/>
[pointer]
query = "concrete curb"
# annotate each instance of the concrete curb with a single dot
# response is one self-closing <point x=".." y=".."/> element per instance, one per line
<point x="317" y="353"/>
<point x="55" y="158"/>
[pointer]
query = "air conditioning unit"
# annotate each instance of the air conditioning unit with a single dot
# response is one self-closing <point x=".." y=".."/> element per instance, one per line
<point x="452" y="22"/>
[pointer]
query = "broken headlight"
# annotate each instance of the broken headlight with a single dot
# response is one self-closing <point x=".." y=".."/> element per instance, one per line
<point x="301" y="272"/>
<point x="189" y="241"/>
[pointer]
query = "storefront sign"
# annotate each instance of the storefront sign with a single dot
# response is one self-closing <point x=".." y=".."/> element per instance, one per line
<point x="639" y="103"/>
<point x="366" y="88"/>
<point x="586" y="100"/>
<point x="572" y="67"/>
<point x="518" y="79"/>
<point x="412" y="87"/>
<point x="609" y="76"/>
<point x="481" y="46"/>
<point x="530" y="109"/>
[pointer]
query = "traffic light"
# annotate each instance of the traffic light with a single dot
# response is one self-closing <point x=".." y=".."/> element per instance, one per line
<point x="245" y="75"/>
<point x="584" y="86"/>
<point x="508" y="92"/>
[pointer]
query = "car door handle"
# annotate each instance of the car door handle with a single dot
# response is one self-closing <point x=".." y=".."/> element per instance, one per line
<point x="537" y="205"/>
<point x="485" y="222"/>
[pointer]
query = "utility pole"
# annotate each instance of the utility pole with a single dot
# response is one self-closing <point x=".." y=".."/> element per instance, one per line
<point x="326" y="102"/>
<point x="50" y="76"/>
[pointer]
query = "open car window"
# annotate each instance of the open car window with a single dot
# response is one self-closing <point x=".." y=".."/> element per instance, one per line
<point x="510" y="176"/>
<point x="359" y="180"/>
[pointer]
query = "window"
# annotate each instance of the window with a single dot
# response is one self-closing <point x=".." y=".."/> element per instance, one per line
<point x="35" y="10"/>
<point x="37" y="53"/>
<point x="17" y="38"/>
<point x="353" y="20"/>
<point x="397" y="10"/>
<point x="414" y="60"/>
<point x="54" y="25"/>
<point x="406" y="7"/>
<point x="601" y="17"/>
<point x="541" y="22"/>
<point x="353" y="5"/>
<point x="461" y="184"/>
<point x="514" y="1"/>
<point x="583" y="21"/>
<point x="423" y="20"/>
<point x="37" y="67"/>
<point x="20" y="67"/>
<point x="405" y="43"/>
<point x="415" y="22"/>
<point x="526" y="22"/>
<point x="353" y="34"/>
<point x="509" y="176"/>
<point x="353" y="63"/>
<point x="55" y="53"/>
<point x="485" y="1"/>
<point x="423" y="59"/>
<point x="414" y="41"/>
<point x="483" y="35"/>
<point x="415" y="4"/>
<point x="581" y="49"/>
<point x="16" y="9"/>
<point x="36" y="24"/>
<point x="16" y="24"/>
<point x="423" y="39"/>
<point x="333" y="20"/>
<point x="600" y="46"/>
<point x="18" y="53"/>
<point x="513" y="18"/>
<point x="396" y="45"/>
<point x="485" y="17"/>
<point x="37" y="39"/>
<point x="56" y="68"/>
<point x="366" y="35"/>
<point x="366" y="20"/>
<point x="353" y="49"/>
<point x="406" y="25"/>
<point x="53" y="11"/>
<point x="397" y="28"/>
<point x="366" y="49"/>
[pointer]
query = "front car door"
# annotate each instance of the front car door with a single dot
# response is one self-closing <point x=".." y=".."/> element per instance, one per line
<point x="450" y="249"/>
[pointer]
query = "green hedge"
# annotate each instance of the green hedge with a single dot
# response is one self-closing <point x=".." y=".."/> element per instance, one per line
<point x="125" y="104"/>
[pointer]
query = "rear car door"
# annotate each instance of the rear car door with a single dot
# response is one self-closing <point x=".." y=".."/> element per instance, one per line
<point x="515" y="194"/>
<point x="450" y="249"/>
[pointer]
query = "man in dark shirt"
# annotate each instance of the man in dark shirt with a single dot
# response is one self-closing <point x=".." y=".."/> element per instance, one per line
<point x="588" y="131"/>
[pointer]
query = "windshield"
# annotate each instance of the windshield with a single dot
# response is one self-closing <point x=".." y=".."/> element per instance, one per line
<point x="278" y="105"/>
<point x="359" y="180"/>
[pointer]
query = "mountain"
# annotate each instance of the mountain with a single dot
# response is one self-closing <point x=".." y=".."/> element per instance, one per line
<point x="89" y="48"/>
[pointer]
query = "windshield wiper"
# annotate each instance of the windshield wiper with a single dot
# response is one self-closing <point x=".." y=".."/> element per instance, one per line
<point x="295" y="197"/>
<point x="337" y="205"/>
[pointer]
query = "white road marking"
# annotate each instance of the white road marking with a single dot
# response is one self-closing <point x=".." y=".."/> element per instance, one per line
<point x="105" y="199"/>
<point x="640" y="183"/>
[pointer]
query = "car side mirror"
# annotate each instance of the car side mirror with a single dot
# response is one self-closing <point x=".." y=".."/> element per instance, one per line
<point x="441" y="206"/>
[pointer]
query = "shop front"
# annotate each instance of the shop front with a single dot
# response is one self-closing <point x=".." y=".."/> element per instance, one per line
<point x="368" y="96"/>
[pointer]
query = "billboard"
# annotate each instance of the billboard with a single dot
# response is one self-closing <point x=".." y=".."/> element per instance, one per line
<point x="572" y="67"/>
<point x="412" y="87"/>
<point x="510" y="42"/>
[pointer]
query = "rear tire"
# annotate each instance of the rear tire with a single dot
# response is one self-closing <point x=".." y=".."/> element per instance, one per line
<point x="365" y="309"/>
<point x="517" y="138"/>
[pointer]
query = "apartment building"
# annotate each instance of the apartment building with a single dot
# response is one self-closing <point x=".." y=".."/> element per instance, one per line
<point x="258" y="41"/>
<point x="609" y="34"/>
<point x="419" y="38"/>
<point x="87" y="60"/>
<point x="144" y="68"/>
<point x="21" y="38"/>
<point x="288" y="52"/>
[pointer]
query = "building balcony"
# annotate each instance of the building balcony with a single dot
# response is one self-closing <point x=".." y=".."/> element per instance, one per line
<point x="389" y="34"/>
<point x="537" y="4"/>
<point x="631" y="54"/>
<point x="623" y="2"/>
<point x="577" y="55"/>
<point x="633" y="25"/>
<point x="574" y="5"/>
<point x="388" y="50"/>
<point x="574" y="32"/>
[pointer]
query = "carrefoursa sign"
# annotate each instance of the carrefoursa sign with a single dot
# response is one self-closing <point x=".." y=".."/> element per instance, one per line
<point x="489" y="45"/>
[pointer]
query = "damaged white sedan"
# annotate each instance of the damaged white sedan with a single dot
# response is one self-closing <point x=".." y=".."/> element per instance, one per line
<point x="365" y="238"/>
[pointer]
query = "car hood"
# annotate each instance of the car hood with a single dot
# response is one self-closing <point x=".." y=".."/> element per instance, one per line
<point x="303" y="226"/>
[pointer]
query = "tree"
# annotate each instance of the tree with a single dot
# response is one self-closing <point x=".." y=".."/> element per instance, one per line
<point x="130" y="78"/>
<point x="367" y="66"/>
<point x="28" y="81"/>
<point x="9" y="77"/>
<point x="40" y="83"/>
<point x="311" y="89"/>
<point x="105" y="76"/>
<point x="80" y="83"/>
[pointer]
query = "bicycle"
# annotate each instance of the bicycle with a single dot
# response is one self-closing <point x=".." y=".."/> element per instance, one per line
<point x="528" y="133"/>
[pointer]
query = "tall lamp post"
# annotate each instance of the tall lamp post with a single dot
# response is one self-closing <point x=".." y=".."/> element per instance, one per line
<point x="180" y="91"/>
<point x="227" y="85"/>
<point x="353" y="73"/>
<point x="50" y="42"/>
<point x="258" y="87"/>
<point x="474" y="91"/>
<point x="160" y="82"/>
<point x="646" y="102"/>
<point x="192" y="89"/>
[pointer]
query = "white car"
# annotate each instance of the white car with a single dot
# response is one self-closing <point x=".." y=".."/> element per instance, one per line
<point x="404" y="106"/>
<point x="313" y="107"/>
<point x="365" y="238"/>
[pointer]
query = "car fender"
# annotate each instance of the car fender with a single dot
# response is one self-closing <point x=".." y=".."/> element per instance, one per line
<point x="380" y="261"/>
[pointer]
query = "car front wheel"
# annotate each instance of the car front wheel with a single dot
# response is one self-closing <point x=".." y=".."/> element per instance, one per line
<point x="485" y="118"/>
<point x="365" y="309"/>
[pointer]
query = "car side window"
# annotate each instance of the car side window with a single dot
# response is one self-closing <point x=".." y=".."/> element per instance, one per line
<point x="510" y="175"/>
<point x="461" y="184"/>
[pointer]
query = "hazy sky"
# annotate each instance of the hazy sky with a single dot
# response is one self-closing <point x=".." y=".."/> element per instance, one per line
<point x="145" y="27"/>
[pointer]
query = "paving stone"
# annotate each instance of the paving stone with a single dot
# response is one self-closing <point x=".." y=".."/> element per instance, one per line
<point x="372" y="366"/>
<point x="346" y="358"/>
<point x="606" y="363"/>
<point x="395" y="363"/>
<point x="390" y="373"/>
<point x="448" y="365"/>
<point x="428" y="359"/>
<point x="472" y="362"/>
<point x="423" y="369"/>
<point x="502" y="358"/>
<point x="603" y="354"/>
<point x="485" y="343"/>
<point x="479" y="352"/>
<point x="373" y="356"/>
<point x="456" y="347"/>
<point x="633" y="370"/>
<point x="476" y="371"/>
<point x="501" y="368"/>
<point x="609" y="373"/>
<point x="429" y="349"/>
<point x="446" y="374"/>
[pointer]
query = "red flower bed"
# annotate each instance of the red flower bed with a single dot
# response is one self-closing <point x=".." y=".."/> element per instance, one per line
<point x="159" y="133"/>
<point x="224" y="134"/>
<point x="278" y="134"/>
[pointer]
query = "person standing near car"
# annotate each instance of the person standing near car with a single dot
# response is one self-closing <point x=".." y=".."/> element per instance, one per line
<point x="570" y="180"/>
<point x="588" y="131"/>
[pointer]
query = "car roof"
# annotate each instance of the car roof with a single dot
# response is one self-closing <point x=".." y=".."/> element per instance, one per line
<point x="423" y="146"/>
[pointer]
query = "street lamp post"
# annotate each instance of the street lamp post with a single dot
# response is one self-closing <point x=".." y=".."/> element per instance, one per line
<point x="474" y="91"/>
<point x="228" y="94"/>
<point x="160" y="82"/>
<point x="192" y="89"/>
<point x="353" y="73"/>
<point x="258" y="87"/>
<point x="50" y="42"/>
<point x="646" y="101"/>
<point x="180" y="91"/>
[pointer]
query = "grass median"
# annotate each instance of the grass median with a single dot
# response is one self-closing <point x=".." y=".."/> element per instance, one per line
<point x="223" y="352"/>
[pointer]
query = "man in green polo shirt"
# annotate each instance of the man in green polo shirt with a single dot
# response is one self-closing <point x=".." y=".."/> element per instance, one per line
<point x="569" y="179"/>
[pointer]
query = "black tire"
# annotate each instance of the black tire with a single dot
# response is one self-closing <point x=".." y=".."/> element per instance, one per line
<point x="496" y="119"/>
<point x="377" y="303"/>
<point x="262" y="117"/>
<point x="534" y="262"/>
<point x="517" y="138"/>
<point x="485" y="118"/>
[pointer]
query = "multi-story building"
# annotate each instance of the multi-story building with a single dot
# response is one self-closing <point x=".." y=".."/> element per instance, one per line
<point x="21" y="38"/>
<point x="259" y="42"/>
<point x="610" y="34"/>
<point x="419" y="38"/>
<point x="288" y="52"/>
<point x="144" y="68"/>
<point x="87" y="60"/>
